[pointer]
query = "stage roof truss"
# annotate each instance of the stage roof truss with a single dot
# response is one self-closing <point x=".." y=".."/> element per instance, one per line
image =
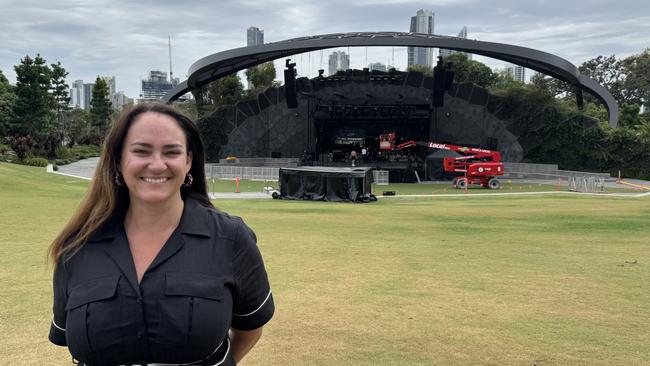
<point x="220" y="64"/>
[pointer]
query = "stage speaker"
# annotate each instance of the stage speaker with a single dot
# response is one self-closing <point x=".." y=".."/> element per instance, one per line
<point x="449" y="77"/>
<point x="276" y="154"/>
<point x="439" y="76"/>
<point x="290" y="88"/>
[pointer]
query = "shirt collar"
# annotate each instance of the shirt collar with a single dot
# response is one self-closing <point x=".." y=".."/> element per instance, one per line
<point x="195" y="221"/>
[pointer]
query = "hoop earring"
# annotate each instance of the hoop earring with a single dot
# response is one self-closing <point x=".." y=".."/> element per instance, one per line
<point x="188" y="180"/>
<point x="118" y="179"/>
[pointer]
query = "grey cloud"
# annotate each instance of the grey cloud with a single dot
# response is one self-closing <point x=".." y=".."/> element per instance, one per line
<point x="128" y="38"/>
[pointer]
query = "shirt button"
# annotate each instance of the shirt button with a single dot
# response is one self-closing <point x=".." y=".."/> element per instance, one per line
<point x="139" y="334"/>
<point x="139" y="300"/>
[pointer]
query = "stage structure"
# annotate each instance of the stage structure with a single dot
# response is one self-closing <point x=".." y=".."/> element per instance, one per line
<point x="350" y="110"/>
<point x="326" y="120"/>
<point x="220" y="64"/>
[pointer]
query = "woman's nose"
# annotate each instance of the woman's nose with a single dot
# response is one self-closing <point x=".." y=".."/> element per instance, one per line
<point x="157" y="162"/>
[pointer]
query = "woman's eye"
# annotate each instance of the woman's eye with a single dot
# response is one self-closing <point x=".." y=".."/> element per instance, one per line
<point x="140" y="151"/>
<point x="173" y="152"/>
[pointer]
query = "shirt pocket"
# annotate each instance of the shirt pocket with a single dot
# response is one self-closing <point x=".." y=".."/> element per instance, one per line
<point x="195" y="310"/>
<point x="93" y="312"/>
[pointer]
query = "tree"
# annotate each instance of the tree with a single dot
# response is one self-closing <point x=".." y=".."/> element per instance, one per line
<point x="607" y="72"/>
<point x="225" y="91"/>
<point x="59" y="90"/>
<point x="100" y="108"/>
<point x="33" y="106"/>
<point x="260" y="77"/>
<point x="424" y="69"/>
<point x="550" y="85"/>
<point x="7" y="100"/>
<point x="59" y="87"/>
<point x="629" y="116"/>
<point x="77" y="126"/>
<point x="637" y="78"/>
<point x="470" y="71"/>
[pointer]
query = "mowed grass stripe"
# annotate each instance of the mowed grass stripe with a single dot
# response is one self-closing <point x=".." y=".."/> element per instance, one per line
<point x="444" y="281"/>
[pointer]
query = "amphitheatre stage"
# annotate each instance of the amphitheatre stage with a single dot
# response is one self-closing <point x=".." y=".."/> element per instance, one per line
<point x="320" y="121"/>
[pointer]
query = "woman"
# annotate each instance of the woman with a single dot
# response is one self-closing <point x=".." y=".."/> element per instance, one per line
<point x="147" y="270"/>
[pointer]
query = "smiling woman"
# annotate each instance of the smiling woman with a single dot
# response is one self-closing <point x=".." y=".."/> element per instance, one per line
<point x="147" y="270"/>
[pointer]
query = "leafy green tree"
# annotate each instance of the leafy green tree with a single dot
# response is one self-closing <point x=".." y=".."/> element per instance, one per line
<point x="424" y="69"/>
<point x="77" y="126"/>
<point x="100" y="108"/>
<point x="629" y="116"/>
<point x="261" y="76"/>
<point x="33" y="105"/>
<point x="59" y="90"/>
<point x="470" y="71"/>
<point x="225" y="91"/>
<point x="7" y="100"/>
<point x="188" y="107"/>
<point x="505" y="80"/>
<point x="607" y="72"/>
<point x="550" y="85"/>
<point x="59" y="87"/>
<point x="637" y="78"/>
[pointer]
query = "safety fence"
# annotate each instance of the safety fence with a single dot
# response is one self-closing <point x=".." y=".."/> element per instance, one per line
<point x="380" y="177"/>
<point x="213" y="171"/>
<point x="587" y="184"/>
<point x="243" y="172"/>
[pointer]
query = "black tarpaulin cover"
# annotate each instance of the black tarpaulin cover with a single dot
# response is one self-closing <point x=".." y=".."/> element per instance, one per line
<point x="326" y="184"/>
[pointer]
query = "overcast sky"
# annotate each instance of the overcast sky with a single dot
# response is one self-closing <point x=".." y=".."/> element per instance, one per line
<point x="128" y="38"/>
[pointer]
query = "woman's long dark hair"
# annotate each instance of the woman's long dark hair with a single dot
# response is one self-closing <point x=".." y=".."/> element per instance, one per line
<point x="105" y="198"/>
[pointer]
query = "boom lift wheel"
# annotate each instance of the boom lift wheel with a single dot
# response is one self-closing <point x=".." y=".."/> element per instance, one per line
<point x="494" y="183"/>
<point x="461" y="183"/>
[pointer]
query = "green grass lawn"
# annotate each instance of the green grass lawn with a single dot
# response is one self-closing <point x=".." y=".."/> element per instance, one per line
<point x="506" y="280"/>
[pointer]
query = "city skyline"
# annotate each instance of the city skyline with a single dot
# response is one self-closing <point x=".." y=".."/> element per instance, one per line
<point x="128" y="40"/>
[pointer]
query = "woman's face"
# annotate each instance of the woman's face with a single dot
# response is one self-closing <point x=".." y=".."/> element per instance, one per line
<point x="154" y="159"/>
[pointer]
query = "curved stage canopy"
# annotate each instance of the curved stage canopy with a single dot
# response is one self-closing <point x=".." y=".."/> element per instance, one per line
<point x="220" y="64"/>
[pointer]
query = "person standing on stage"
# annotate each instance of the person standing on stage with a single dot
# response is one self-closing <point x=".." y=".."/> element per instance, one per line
<point x="353" y="157"/>
<point x="147" y="271"/>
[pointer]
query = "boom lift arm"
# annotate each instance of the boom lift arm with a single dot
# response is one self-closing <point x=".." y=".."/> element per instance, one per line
<point x="474" y="166"/>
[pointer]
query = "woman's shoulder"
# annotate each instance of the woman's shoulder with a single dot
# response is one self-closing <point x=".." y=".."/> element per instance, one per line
<point x="221" y="223"/>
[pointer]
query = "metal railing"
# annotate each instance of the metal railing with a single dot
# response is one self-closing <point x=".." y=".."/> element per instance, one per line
<point x="243" y="172"/>
<point x="380" y="177"/>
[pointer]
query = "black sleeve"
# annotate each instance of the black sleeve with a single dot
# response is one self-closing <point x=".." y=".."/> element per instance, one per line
<point x="252" y="301"/>
<point x="57" y="328"/>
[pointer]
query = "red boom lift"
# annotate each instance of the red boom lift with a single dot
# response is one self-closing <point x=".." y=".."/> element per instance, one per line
<point x="476" y="166"/>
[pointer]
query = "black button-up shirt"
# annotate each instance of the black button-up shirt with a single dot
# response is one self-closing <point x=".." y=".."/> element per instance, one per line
<point x="208" y="277"/>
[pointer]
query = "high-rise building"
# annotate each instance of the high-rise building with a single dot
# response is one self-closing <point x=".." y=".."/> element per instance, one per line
<point x="338" y="60"/>
<point x="120" y="100"/>
<point x="88" y="94"/>
<point x="517" y="72"/>
<point x="377" y="66"/>
<point x="110" y="82"/>
<point x="77" y="99"/>
<point x="254" y="36"/>
<point x="156" y="86"/>
<point x="445" y="52"/>
<point x="422" y="22"/>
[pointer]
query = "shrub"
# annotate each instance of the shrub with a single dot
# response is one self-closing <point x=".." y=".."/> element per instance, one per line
<point x="62" y="152"/>
<point x="42" y="162"/>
